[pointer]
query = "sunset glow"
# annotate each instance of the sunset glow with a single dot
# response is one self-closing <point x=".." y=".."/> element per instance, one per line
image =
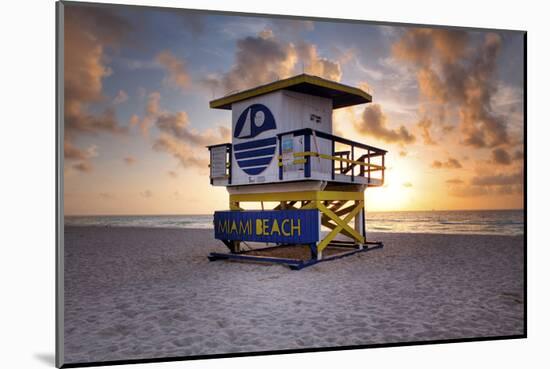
<point x="447" y="105"/>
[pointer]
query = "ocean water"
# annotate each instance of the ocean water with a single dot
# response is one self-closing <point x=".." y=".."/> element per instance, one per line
<point x="494" y="222"/>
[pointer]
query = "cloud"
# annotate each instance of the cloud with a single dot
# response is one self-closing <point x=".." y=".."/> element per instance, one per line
<point x="468" y="191"/>
<point x="489" y="185"/>
<point x="454" y="181"/>
<point x="73" y="153"/>
<point x="180" y="140"/>
<point x="345" y="55"/>
<point x="316" y="65"/>
<point x="456" y="73"/>
<point x="259" y="60"/>
<point x="153" y="104"/>
<point x="88" y="32"/>
<point x="147" y="194"/>
<point x="424" y="124"/>
<point x="498" y="180"/>
<point x="180" y="150"/>
<point x="84" y="166"/>
<point x="177" y="72"/>
<point x="130" y="160"/>
<point x="501" y="156"/>
<point x="93" y="123"/>
<point x="121" y="97"/>
<point x="173" y="174"/>
<point x="152" y="110"/>
<point x="177" y="124"/>
<point x="365" y="86"/>
<point x="106" y="195"/>
<point x="225" y="133"/>
<point x="422" y="45"/>
<point x="177" y="136"/>
<point x="451" y="163"/>
<point x="374" y="123"/>
<point x="264" y="58"/>
<point x="134" y="120"/>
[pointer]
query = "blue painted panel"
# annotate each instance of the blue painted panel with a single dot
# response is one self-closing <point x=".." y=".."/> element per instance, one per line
<point x="254" y="144"/>
<point x="279" y="226"/>
<point x="254" y="153"/>
<point x="255" y="162"/>
<point x="254" y="171"/>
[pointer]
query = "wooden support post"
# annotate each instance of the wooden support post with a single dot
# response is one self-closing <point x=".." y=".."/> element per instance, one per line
<point x="234" y="205"/>
<point x="359" y="222"/>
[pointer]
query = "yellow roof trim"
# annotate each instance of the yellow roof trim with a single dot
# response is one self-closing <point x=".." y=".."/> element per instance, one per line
<point x="347" y="91"/>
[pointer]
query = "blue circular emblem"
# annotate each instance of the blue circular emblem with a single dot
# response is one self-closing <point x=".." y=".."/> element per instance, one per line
<point x="253" y="156"/>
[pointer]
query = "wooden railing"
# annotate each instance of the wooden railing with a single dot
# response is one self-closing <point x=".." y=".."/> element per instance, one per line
<point x="370" y="162"/>
<point x="343" y="162"/>
<point x="223" y="171"/>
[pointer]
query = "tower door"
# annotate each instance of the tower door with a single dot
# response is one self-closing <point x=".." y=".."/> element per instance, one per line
<point x="293" y="167"/>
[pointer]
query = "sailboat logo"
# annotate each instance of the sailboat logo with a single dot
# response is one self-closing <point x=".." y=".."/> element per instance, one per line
<point x="253" y="157"/>
<point x="254" y="120"/>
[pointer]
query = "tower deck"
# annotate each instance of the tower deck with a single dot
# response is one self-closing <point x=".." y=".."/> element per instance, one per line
<point x="345" y="161"/>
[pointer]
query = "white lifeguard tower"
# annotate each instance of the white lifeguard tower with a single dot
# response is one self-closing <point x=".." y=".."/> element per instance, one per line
<point x="283" y="151"/>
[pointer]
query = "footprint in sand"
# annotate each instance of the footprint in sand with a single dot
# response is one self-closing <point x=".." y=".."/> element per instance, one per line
<point x="183" y="342"/>
<point x="116" y="330"/>
<point x="130" y="313"/>
<point x="512" y="297"/>
<point x="180" y="317"/>
<point x="222" y="323"/>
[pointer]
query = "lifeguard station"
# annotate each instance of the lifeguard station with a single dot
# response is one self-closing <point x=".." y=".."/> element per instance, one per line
<point x="284" y="153"/>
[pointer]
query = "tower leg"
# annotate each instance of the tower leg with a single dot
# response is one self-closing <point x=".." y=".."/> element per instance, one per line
<point x="359" y="222"/>
<point x="233" y="246"/>
<point x="364" y="223"/>
<point x="314" y="251"/>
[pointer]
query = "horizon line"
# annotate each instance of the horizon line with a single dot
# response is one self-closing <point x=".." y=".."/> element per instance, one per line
<point x="371" y="211"/>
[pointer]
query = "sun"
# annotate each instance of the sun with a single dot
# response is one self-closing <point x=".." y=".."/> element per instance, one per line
<point x="397" y="192"/>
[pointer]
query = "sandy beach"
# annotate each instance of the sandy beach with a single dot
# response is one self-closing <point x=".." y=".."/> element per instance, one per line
<point x="134" y="293"/>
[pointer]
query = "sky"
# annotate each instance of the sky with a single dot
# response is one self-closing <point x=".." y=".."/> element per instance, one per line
<point x="447" y="105"/>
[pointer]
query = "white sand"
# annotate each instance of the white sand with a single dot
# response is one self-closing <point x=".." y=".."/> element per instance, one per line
<point x="136" y="293"/>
